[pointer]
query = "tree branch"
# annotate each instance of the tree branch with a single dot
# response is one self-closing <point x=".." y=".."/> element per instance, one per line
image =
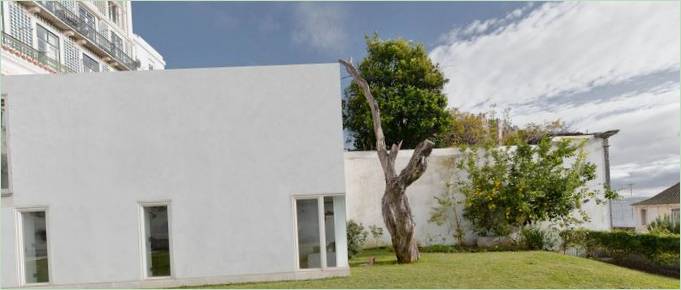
<point x="381" y="148"/>
<point x="417" y="164"/>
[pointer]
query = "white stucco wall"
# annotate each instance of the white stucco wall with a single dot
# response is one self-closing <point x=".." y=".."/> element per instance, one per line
<point x="365" y="185"/>
<point x="226" y="147"/>
<point x="623" y="215"/>
<point x="653" y="212"/>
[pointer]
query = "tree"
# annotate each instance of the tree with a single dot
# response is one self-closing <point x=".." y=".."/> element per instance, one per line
<point x="482" y="129"/>
<point x="508" y="188"/>
<point x="408" y="89"/>
<point x="395" y="205"/>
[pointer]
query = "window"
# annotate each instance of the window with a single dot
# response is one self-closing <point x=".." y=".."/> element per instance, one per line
<point x="157" y="241"/>
<point x="90" y="64"/>
<point x="319" y="224"/>
<point x="675" y="215"/>
<point x="34" y="239"/>
<point x="644" y="218"/>
<point x="116" y="41"/>
<point x="48" y="43"/>
<point x="113" y="12"/>
<point x="6" y="189"/>
<point x="151" y="67"/>
<point x="86" y="17"/>
<point x="88" y="22"/>
<point x="308" y="233"/>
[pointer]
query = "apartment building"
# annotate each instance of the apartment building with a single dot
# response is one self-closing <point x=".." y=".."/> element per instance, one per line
<point x="41" y="37"/>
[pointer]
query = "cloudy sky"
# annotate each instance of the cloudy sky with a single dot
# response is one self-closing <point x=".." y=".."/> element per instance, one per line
<point x="596" y="66"/>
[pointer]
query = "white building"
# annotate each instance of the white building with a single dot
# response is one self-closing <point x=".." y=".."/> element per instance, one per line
<point x="176" y="177"/>
<point x="41" y="37"/>
<point x="148" y="57"/>
<point x="663" y="204"/>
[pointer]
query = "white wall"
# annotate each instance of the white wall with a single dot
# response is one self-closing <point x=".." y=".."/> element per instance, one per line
<point x="227" y="147"/>
<point x="623" y="212"/>
<point x="147" y="55"/>
<point x="652" y="213"/>
<point x="365" y="185"/>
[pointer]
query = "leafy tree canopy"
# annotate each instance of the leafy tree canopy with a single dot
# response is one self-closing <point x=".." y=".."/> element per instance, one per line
<point x="482" y="129"/>
<point x="408" y="89"/>
<point x="511" y="187"/>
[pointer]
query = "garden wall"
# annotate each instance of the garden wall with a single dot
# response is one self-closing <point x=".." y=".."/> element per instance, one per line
<point x="364" y="185"/>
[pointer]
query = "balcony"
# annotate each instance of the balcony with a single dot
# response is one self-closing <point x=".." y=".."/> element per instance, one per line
<point x="84" y="32"/>
<point x="26" y="50"/>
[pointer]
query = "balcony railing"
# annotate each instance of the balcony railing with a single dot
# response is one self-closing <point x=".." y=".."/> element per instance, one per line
<point x="89" y="32"/>
<point x="32" y="53"/>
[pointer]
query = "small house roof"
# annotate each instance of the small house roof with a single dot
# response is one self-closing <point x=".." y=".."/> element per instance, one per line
<point x="667" y="196"/>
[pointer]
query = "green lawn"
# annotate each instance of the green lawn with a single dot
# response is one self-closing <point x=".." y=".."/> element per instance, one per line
<point x="480" y="270"/>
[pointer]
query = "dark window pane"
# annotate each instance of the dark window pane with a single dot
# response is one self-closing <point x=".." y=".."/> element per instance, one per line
<point x="329" y="227"/>
<point x="308" y="233"/>
<point x="157" y="241"/>
<point x="34" y="230"/>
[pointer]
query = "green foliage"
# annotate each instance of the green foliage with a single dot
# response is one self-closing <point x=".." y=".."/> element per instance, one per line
<point x="408" y="89"/>
<point x="444" y="213"/>
<point x="482" y="129"/>
<point x="662" y="249"/>
<point x="664" y="225"/>
<point x="534" y="238"/>
<point x="511" y="187"/>
<point x="357" y="236"/>
<point x="376" y="232"/>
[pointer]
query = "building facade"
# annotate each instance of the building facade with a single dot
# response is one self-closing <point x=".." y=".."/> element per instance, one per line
<point x="663" y="204"/>
<point x="174" y="177"/>
<point x="40" y="37"/>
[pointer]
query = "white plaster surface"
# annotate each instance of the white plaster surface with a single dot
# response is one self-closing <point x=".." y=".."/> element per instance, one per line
<point x="226" y="147"/>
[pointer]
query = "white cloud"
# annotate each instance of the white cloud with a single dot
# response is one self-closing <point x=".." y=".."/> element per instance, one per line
<point x="320" y="26"/>
<point x="595" y="65"/>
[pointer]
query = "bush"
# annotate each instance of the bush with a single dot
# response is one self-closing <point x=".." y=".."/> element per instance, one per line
<point x="532" y="238"/>
<point x="357" y="236"/>
<point x="664" y="225"/>
<point x="660" y="251"/>
<point x="509" y="188"/>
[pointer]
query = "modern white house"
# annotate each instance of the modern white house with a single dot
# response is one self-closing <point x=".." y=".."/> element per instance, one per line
<point x="172" y="178"/>
<point x="665" y="203"/>
<point x="41" y="37"/>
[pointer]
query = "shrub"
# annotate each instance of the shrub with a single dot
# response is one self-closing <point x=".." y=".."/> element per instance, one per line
<point x="509" y="188"/>
<point x="664" y="225"/>
<point x="376" y="232"/>
<point x="662" y="250"/>
<point x="533" y="238"/>
<point x="357" y="236"/>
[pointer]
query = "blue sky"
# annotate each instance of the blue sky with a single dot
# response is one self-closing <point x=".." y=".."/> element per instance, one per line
<point x="596" y="66"/>
<point x="209" y="34"/>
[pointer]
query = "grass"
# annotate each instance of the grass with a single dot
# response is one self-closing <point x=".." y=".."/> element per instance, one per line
<point x="534" y="269"/>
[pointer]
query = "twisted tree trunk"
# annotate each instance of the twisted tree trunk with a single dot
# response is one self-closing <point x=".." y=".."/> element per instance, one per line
<point x="395" y="204"/>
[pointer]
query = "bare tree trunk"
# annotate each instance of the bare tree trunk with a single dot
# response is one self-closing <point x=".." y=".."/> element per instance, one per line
<point x="395" y="204"/>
